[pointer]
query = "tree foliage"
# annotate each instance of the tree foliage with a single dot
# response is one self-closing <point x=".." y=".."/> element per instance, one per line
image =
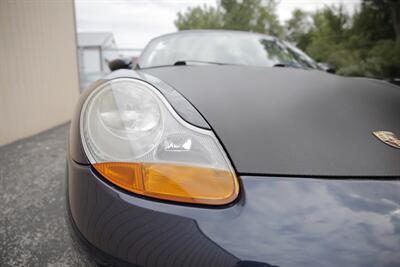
<point x="366" y="43"/>
<point x="297" y="28"/>
<point x="199" y="18"/>
<point x="248" y="15"/>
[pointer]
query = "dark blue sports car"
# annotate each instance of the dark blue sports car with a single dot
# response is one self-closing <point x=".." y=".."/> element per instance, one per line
<point x="224" y="148"/>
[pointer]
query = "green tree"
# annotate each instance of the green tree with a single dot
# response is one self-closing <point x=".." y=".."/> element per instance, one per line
<point x="199" y="18"/>
<point x="377" y="20"/>
<point x="375" y="37"/>
<point x="395" y="15"/>
<point x="298" y="28"/>
<point x="250" y="15"/>
<point x="329" y="30"/>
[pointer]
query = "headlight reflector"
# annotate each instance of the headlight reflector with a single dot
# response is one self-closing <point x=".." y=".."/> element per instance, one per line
<point x="134" y="139"/>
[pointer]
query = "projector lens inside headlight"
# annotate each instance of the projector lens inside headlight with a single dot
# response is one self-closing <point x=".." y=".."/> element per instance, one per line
<point x="135" y="140"/>
<point x="132" y="112"/>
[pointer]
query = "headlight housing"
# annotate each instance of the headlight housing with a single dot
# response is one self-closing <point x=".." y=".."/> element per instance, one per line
<point x="133" y="138"/>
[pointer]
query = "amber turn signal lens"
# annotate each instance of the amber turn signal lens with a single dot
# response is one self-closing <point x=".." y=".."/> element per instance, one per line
<point x="180" y="183"/>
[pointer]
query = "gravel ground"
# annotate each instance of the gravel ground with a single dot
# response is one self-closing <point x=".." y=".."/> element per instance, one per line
<point x="33" y="222"/>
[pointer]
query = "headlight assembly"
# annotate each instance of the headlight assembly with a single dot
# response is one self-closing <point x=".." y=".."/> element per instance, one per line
<point x="134" y="139"/>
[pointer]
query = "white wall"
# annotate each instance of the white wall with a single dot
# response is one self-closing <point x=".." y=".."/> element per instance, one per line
<point x="38" y="71"/>
<point x="91" y="60"/>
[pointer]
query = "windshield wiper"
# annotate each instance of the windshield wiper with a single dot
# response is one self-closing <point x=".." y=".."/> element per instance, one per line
<point x="185" y="62"/>
<point x="280" y="65"/>
<point x="289" y="64"/>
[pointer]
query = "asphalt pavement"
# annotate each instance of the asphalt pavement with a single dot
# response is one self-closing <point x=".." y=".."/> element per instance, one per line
<point x="33" y="222"/>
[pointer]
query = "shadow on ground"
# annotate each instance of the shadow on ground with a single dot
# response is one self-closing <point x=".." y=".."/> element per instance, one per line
<point x="33" y="222"/>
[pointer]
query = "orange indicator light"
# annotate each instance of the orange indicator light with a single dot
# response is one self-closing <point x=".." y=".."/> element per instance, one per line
<point x="189" y="184"/>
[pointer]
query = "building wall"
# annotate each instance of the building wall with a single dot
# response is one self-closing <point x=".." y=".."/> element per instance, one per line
<point x="38" y="70"/>
<point x="91" y="60"/>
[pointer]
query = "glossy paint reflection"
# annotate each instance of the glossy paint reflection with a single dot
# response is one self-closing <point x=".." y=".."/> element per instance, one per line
<point x="276" y="222"/>
<point x="312" y="222"/>
<point x="136" y="235"/>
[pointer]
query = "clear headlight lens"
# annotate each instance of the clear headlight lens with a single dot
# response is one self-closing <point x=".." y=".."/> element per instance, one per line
<point x="134" y="138"/>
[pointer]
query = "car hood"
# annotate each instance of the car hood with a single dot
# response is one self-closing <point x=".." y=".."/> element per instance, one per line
<point x="284" y="121"/>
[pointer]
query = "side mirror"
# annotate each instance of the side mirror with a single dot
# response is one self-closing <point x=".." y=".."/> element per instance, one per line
<point x="327" y="67"/>
<point x="120" y="63"/>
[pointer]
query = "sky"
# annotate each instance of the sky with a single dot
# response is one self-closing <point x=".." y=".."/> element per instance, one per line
<point x="135" y="22"/>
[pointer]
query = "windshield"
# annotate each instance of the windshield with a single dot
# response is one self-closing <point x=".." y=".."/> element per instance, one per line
<point x="301" y="56"/>
<point x="239" y="48"/>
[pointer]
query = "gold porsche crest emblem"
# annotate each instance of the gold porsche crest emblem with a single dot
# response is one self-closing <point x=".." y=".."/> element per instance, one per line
<point x="388" y="138"/>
